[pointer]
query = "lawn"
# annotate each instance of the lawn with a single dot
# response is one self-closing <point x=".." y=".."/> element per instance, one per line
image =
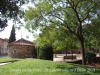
<point x="5" y="59"/>
<point x="42" y="67"/>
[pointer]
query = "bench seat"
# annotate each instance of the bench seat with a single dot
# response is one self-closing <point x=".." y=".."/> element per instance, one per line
<point x="69" y="57"/>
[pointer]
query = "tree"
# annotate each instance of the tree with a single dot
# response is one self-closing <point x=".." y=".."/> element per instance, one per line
<point x="12" y="35"/>
<point x="67" y="42"/>
<point x="96" y="34"/>
<point x="10" y="9"/>
<point x="3" y="24"/>
<point x="46" y="52"/>
<point x="89" y="36"/>
<point x="92" y="34"/>
<point x="65" y="15"/>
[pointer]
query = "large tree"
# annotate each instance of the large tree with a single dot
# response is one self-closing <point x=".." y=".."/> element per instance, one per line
<point x="65" y="15"/>
<point x="96" y="33"/>
<point x="10" y="9"/>
<point x="12" y="35"/>
<point x="92" y="33"/>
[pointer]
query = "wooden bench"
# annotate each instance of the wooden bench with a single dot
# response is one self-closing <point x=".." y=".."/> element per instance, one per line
<point x="69" y="57"/>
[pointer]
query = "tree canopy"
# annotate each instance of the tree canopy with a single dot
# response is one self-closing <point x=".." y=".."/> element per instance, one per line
<point x="10" y="9"/>
<point x="63" y="15"/>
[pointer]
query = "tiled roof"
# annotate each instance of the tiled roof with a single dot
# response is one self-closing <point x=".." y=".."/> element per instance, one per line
<point x="5" y="39"/>
<point x="21" y="42"/>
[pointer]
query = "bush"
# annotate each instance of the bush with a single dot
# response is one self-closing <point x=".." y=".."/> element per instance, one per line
<point x="90" y="54"/>
<point x="34" y="52"/>
<point x="46" y="52"/>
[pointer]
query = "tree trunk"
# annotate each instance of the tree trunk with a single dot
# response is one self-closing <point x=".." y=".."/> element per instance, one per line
<point x="55" y="54"/>
<point x="83" y="52"/>
<point x="90" y="48"/>
<point x="81" y="39"/>
<point x="99" y="52"/>
<point x="66" y="52"/>
<point x="72" y="53"/>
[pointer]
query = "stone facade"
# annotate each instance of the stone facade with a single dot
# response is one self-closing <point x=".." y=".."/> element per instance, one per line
<point x="3" y="46"/>
<point x="20" y="49"/>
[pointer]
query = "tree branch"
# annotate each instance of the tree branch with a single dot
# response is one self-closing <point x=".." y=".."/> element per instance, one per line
<point x="65" y="23"/>
<point x="74" y="9"/>
<point x="87" y="12"/>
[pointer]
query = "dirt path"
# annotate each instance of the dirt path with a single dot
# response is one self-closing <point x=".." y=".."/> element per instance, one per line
<point x="1" y="64"/>
<point x="96" y="65"/>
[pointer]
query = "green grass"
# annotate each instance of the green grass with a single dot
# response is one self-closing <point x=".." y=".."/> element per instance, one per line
<point x="5" y="59"/>
<point x="42" y="67"/>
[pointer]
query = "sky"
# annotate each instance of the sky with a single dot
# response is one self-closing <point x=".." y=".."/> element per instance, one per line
<point x="22" y="33"/>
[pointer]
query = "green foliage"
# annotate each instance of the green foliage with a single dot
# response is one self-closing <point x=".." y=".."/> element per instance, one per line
<point x="10" y="9"/>
<point x="46" y="52"/>
<point x="67" y="15"/>
<point x="61" y="13"/>
<point x="50" y="16"/>
<point x="92" y="33"/>
<point x="34" y="52"/>
<point x="12" y="35"/>
<point x="3" y="24"/>
<point x="58" y="39"/>
<point x="90" y="54"/>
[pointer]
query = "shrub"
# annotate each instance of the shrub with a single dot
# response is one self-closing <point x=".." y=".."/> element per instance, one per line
<point x="34" y="52"/>
<point x="46" y="52"/>
<point x="90" y="54"/>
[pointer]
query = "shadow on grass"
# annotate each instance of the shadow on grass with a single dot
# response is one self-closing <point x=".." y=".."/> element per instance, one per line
<point x="10" y="61"/>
